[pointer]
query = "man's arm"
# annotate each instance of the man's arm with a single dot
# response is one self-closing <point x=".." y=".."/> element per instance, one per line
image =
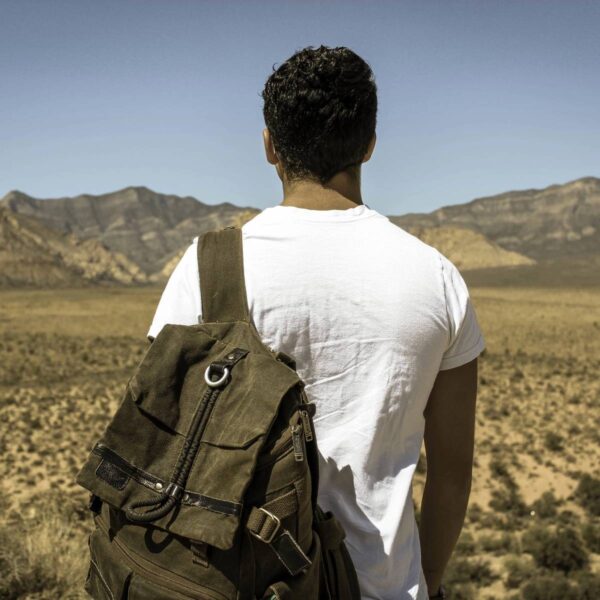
<point x="449" y="442"/>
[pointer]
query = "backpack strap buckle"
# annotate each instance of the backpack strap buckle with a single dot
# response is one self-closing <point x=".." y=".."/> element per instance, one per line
<point x="267" y="527"/>
<point x="264" y="525"/>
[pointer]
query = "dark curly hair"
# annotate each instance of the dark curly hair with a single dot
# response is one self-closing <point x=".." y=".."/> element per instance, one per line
<point x="320" y="107"/>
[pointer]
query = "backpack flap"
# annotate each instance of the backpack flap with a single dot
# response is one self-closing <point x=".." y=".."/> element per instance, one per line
<point x="228" y="453"/>
<point x="179" y="453"/>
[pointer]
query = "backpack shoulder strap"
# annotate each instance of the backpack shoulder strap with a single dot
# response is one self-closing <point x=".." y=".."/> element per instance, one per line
<point x="221" y="272"/>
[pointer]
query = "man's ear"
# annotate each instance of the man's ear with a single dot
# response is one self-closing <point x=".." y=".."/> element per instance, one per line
<point x="269" y="149"/>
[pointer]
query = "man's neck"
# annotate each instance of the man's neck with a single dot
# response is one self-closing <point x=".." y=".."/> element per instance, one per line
<point x="340" y="193"/>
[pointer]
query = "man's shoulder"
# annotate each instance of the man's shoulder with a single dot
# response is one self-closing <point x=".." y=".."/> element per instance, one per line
<point x="408" y="243"/>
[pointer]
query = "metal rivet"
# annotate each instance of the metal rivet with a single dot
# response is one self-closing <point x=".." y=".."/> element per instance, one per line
<point x="158" y="485"/>
<point x="186" y="497"/>
<point x="231" y="356"/>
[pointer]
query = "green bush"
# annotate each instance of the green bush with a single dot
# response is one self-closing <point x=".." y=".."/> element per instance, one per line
<point x="549" y="587"/>
<point x="589" y="585"/>
<point x="490" y="520"/>
<point x="462" y="570"/>
<point x="498" y="468"/>
<point x="465" y="544"/>
<point x="508" y="500"/>
<point x="518" y="570"/>
<point x="560" y="550"/>
<point x="553" y="441"/>
<point x="474" y="512"/>
<point x="590" y="533"/>
<point x="498" y="544"/>
<point x="465" y="591"/>
<point x="545" y="506"/>
<point x="533" y="537"/>
<point x="567" y="517"/>
<point x="587" y="494"/>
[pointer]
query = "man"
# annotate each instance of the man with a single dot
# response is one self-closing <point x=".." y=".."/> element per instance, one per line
<point x="380" y="324"/>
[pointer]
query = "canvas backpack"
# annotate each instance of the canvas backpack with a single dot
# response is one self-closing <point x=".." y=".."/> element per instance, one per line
<point x="204" y="483"/>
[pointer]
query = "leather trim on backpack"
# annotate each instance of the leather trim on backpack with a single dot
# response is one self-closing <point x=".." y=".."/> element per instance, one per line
<point x="126" y="470"/>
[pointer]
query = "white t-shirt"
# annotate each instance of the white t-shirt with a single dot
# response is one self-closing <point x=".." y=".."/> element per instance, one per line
<point x="371" y="314"/>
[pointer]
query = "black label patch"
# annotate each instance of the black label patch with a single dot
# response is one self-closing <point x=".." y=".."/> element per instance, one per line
<point x="112" y="475"/>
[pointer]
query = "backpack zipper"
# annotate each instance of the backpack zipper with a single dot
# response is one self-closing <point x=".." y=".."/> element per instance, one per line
<point x="306" y="425"/>
<point x="297" y="431"/>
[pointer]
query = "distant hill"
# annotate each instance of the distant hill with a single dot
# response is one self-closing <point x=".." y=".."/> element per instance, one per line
<point x="135" y="235"/>
<point x="468" y="249"/>
<point x="32" y="254"/>
<point x="552" y="223"/>
<point x="147" y="227"/>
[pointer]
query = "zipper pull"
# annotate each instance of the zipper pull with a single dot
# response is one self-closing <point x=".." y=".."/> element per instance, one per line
<point x="297" y="442"/>
<point x="306" y="425"/>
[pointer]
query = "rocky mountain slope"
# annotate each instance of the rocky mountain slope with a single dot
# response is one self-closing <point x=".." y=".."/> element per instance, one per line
<point x="147" y="227"/>
<point x="136" y="235"/>
<point x="32" y="254"/>
<point x="468" y="249"/>
<point x="554" y="222"/>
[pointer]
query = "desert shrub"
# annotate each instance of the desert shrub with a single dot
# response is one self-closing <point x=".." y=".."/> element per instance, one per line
<point x="465" y="591"/>
<point x="508" y="500"/>
<point x="553" y="586"/>
<point x="490" y="520"/>
<point x="560" y="550"/>
<point x="587" y="494"/>
<point x="533" y="537"/>
<point x="553" y="441"/>
<point x="498" y="544"/>
<point x="498" y="468"/>
<point x="462" y="570"/>
<point x="41" y="555"/>
<point x="474" y="513"/>
<point x="465" y="544"/>
<point x="590" y="533"/>
<point x="518" y="570"/>
<point x="546" y="505"/>
<point x="589" y="585"/>
<point x="567" y="517"/>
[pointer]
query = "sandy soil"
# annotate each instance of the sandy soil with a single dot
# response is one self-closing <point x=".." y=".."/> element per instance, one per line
<point x="65" y="358"/>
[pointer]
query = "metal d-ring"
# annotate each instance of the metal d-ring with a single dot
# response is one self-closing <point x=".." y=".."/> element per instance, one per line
<point x="219" y="381"/>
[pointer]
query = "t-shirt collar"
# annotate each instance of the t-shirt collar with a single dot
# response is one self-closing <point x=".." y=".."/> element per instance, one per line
<point x="308" y="214"/>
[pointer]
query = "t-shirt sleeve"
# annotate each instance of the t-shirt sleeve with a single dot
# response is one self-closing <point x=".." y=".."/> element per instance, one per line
<point x="180" y="302"/>
<point x="465" y="338"/>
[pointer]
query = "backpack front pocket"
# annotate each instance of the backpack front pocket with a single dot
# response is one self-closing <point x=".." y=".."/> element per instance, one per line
<point x="181" y="449"/>
<point x="108" y="578"/>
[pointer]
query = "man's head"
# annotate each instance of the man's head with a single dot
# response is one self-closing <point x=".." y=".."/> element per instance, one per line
<point x="320" y="111"/>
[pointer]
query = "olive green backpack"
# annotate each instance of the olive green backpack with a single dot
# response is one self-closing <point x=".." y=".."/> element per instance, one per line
<point x="204" y="483"/>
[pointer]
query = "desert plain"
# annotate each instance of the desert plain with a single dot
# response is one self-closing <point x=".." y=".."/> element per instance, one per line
<point x="533" y="524"/>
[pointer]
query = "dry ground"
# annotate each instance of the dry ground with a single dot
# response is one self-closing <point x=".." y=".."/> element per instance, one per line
<point x="65" y="357"/>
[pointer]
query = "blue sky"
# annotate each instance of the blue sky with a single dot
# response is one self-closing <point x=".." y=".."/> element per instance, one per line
<point x="475" y="98"/>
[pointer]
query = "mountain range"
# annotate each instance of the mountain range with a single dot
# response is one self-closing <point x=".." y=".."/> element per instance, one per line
<point x="543" y="224"/>
<point x="136" y="236"/>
